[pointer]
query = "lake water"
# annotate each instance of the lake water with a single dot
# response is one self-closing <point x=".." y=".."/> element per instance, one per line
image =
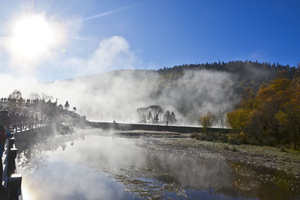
<point x="95" y="165"/>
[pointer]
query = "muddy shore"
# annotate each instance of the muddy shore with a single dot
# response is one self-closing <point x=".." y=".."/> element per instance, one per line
<point x="275" y="158"/>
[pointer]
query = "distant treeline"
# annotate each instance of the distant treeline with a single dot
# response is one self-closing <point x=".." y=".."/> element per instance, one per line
<point x="35" y="108"/>
<point x="235" y="67"/>
<point x="242" y="75"/>
<point x="246" y="73"/>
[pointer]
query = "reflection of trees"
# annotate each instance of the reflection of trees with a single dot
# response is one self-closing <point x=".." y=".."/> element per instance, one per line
<point x="201" y="173"/>
<point x="147" y="187"/>
<point x="264" y="183"/>
<point x="156" y="172"/>
<point x="169" y="171"/>
<point x="33" y="158"/>
<point x="32" y="146"/>
<point x="232" y="179"/>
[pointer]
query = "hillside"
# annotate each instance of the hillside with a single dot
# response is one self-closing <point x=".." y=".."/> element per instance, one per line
<point x="187" y="90"/>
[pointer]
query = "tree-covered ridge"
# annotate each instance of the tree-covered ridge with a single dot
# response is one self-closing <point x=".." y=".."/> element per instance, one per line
<point x="237" y="67"/>
<point x="188" y="90"/>
<point x="245" y="74"/>
<point x="197" y="84"/>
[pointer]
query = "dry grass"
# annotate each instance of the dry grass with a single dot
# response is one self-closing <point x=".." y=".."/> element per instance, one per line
<point x="287" y="160"/>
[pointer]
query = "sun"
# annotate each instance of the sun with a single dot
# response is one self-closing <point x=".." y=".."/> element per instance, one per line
<point x="32" y="36"/>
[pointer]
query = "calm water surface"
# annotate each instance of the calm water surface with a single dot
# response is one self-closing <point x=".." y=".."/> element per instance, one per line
<point x="94" y="166"/>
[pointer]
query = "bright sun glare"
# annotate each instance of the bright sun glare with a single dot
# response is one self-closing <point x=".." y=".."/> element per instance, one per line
<point x="32" y="36"/>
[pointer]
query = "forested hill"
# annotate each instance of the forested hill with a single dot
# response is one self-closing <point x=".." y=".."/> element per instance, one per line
<point x="243" y="71"/>
<point x="236" y="67"/>
<point x="186" y="90"/>
<point x="244" y="74"/>
<point x="196" y="88"/>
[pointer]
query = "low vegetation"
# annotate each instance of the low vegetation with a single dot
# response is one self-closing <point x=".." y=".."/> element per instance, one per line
<point x="238" y="139"/>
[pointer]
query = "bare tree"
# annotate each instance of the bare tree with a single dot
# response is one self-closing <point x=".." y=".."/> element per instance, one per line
<point x="16" y="94"/>
<point x="142" y="114"/>
<point x="47" y="97"/>
<point x="34" y="96"/>
<point x="14" y="98"/>
<point x="150" y="113"/>
<point x="155" y="110"/>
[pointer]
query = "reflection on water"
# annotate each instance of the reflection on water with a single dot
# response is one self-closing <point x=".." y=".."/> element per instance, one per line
<point x="105" y="167"/>
<point x="266" y="184"/>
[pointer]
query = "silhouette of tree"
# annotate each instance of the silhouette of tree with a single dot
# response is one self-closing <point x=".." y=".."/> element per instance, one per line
<point x="67" y="105"/>
<point x="155" y="111"/>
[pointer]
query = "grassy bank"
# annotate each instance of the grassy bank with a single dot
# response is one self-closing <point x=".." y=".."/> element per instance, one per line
<point x="281" y="158"/>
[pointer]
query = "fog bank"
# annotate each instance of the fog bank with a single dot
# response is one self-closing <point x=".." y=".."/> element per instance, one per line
<point x="117" y="95"/>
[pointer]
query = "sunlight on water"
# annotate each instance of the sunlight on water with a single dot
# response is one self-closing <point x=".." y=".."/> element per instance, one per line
<point x="108" y="167"/>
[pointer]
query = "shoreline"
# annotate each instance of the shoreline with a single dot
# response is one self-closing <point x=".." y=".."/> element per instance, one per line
<point x="273" y="158"/>
<point x="257" y="156"/>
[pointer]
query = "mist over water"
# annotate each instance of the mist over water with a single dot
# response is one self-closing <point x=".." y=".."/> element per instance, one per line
<point x="93" y="164"/>
<point x="65" y="172"/>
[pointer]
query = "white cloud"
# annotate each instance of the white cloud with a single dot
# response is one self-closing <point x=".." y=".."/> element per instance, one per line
<point x="113" y="53"/>
<point x="24" y="74"/>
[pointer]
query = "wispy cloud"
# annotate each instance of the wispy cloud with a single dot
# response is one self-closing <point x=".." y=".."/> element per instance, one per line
<point x="82" y="38"/>
<point x="107" y="13"/>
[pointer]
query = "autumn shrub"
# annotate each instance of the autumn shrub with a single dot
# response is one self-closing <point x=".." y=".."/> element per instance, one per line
<point x="199" y="136"/>
<point x="270" y="141"/>
<point x="253" y="141"/>
<point x="211" y="137"/>
<point x="234" y="149"/>
<point x="226" y="147"/>
<point x="195" y="135"/>
<point x="207" y="120"/>
<point x="242" y="138"/>
<point x="233" y="136"/>
<point x="223" y="138"/>
<point x="202" y="137"/>
<point x="233" y="142"/>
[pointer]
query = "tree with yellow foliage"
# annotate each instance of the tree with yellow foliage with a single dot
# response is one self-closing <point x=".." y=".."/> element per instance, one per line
<point x="207" y="120"/>
<point x="273" y="113"/>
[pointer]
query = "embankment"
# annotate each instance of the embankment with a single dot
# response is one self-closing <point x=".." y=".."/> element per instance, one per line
<point x="154" y="127"/>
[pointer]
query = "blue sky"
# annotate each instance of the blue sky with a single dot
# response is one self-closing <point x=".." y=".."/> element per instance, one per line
<point x="94" y="36"/>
